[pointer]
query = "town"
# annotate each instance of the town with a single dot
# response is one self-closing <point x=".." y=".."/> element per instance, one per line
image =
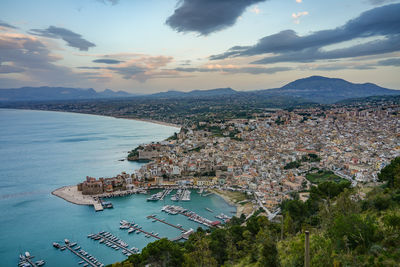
<point x="270" y="156"/>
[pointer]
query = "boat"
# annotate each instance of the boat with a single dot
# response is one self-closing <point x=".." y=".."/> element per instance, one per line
<point x="66" y="241"/>
<point x="86" y="264"/>
<point x="56" y="245"/>
<point x="81" y="262"/>
<point x="138" y="232"/>
<point x="27" y="254"/>
<point x="210" y="210"/>
<point x="131" y="230"/>
<point x="72" y="244"/>
<point x="40" y="263"/>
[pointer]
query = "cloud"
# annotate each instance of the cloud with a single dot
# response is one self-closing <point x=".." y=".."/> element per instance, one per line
<point x="380" y="2"/>
<point x="139" y="67"/>
<point x="4" y="24"/>
<point x="29" y="57"/>
<point x="72" y="39"/>
<point x="390" y="62"/>
<point x="287" y="46"/>
<point x="230" y="69"/>
<point x="207" y="16"/>
<point x="256" y="10"/>
<point x="107" y="61"/>
<point x="298" y="15"/>
<point x="10" y="69"/>
<point x="113" y="2"/>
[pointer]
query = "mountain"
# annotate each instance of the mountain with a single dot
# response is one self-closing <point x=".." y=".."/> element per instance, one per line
<point x="328" y="90"/>
<point x="196" y="93"/>
<point x="56" y="93"/>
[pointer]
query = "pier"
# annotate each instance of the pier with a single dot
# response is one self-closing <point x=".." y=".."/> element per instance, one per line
<point x="98" y="206"/>
<point x="185" y="235"/>
<point x="28" y="259"/>
<point x="110" y="240"/>
<point x="166" y="192"/>
<point x="140" y="230"/>
<point x="172" y="225"/>
<point x="81" y="256"/>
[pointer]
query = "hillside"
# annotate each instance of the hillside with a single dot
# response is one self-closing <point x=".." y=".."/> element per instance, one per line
<point x="328" y="90"/>
<point x="348" y="227"/>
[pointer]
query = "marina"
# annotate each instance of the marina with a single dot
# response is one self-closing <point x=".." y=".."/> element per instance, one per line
<point x="78" y="251"/>
<point x="25" y="260"/>
<point x="163" y="221"/>
<point x="114" y="242"/>
<point x="173" y="210"/>
<point x="138" y="229"/>
<point x="181" y="195"/>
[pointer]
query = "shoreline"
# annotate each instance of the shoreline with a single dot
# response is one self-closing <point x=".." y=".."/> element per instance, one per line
<point x="107" y="116"/>
<point x="227" y="199"/>
<point x="71" y="194"/>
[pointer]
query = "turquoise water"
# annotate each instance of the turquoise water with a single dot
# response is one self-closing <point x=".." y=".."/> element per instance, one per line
<point x="41" y="151"/>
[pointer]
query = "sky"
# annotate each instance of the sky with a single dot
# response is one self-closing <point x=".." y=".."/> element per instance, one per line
<point x="159" y="45"/>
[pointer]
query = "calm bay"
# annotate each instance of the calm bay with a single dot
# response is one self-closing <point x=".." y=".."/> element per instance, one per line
<point x="41" y="151"/>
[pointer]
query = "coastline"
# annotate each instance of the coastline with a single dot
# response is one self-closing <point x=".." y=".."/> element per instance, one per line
<point x="239" y="208"/>
<point x="71" y="194"/>
<point x="108" y="116"/>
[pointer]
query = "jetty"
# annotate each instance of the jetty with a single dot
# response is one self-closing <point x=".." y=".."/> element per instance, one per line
<point x="89" y="259"/>
<point x="185" y="235"/>
<point x="114" y="242"/>
<point x="167" y="223"/>
<point x="138" y="229"/>
<point x="26" y="260"/>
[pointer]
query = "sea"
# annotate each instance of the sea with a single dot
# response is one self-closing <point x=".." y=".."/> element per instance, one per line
<point x="41" y="151"/>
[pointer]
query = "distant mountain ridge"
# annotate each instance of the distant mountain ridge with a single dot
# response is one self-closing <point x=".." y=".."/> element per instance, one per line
<point x="196" y="93"/>
<point x="316" y="89"/>
<point x="46" y="93"/>
<point x="328" y="90"/>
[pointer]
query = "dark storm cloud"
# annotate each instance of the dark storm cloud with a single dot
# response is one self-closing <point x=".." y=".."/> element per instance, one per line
<point x="390" y="62"/>
<point x="73" y="39"/>
<point x="249" y="70"/>
<point x="381" y="21"/>
<point x="4" y="24"/>
<point x="108" y="61"/>
<point x="207" y="16"/>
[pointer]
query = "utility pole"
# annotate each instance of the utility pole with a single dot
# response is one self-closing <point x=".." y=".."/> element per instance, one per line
<point x="307" y="250"/>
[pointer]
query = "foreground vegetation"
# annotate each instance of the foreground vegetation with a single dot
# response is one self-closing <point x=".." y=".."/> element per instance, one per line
<point x="348" y="228"/>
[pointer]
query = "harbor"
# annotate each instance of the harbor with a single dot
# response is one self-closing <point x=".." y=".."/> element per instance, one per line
<point x="114" y="242"/>
<point x="88" y="260"/>
<point x="136" y="228"/>
<point x="179" y="227"/>
<point x="191" y="215"/>
<point x="26" y="260"/>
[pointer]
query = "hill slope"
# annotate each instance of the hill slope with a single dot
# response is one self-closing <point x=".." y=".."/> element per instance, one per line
<point x="329" y="90"/>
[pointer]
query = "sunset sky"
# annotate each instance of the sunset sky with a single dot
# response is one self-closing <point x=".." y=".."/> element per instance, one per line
<point x="159" y="45"/>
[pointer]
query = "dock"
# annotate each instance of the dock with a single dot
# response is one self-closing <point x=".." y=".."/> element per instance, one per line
<point x="185" y="235"/>
<point x="170" y="224"/>
<point x="140" y="230"/>
<point x="103" y="236"/>
<point x="82" y="257"/>
<point x="166" y="192"/>
<point x="97" y="206"/>
<point x="28" y="259"/>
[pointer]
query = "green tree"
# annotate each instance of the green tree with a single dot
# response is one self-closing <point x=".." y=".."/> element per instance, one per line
<point x="391" y="173"/>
